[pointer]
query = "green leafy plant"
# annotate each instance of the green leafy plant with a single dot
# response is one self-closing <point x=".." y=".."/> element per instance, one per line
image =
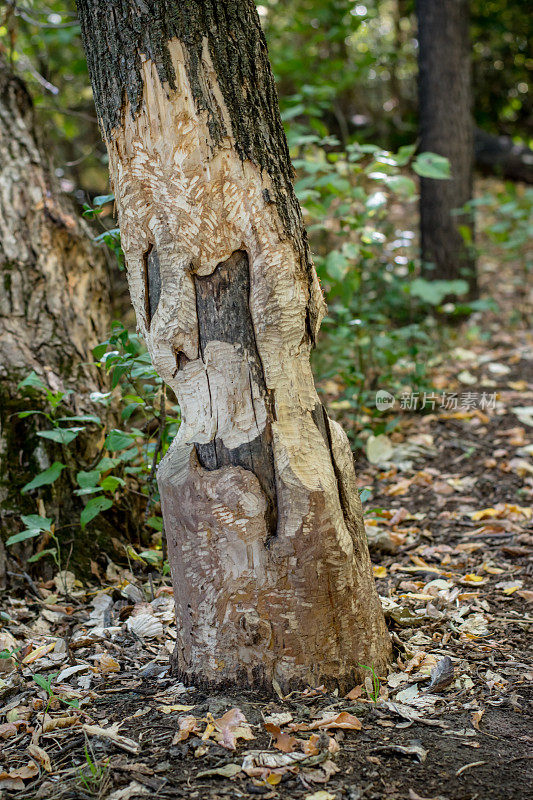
<point x="94" y="775"/>
<point x="379" y="330"/>
<point x="372" y="694"/>
<point x="125" y="466"/>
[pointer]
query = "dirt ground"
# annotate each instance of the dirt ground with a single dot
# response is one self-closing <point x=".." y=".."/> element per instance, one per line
<point x="449" y="519"/>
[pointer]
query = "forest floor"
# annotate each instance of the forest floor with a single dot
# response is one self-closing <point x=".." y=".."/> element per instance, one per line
<point x="89" y="710"/>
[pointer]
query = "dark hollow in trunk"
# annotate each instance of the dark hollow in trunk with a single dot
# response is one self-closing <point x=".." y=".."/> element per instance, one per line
<point x="223" y="309"/>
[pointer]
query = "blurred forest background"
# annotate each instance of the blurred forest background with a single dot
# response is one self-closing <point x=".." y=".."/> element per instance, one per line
<point x="347" y="77"/>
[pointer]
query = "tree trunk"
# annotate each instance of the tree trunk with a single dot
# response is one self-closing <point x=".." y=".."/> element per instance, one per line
<point x="54" y="303"/>
<point x="266" y="542"/>
<point x="446" y="128"/>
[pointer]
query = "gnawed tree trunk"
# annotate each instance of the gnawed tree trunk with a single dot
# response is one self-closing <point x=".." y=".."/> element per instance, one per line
<point x="54" y="303"/>
<point x="446" y="128"/>
<point x="266" y="542"/>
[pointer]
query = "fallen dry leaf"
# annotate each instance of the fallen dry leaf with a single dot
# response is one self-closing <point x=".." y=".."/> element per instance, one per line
<point x="343" y="720"/>
<point x="476" y="718"/>
<point x="187" y="725"/>
<point x="106" y="664"/>
<point x="112" y="734"/>
<point x="39" y="652"/>
<point x="41" y="756"/>
<point x="14" y="779"/>
<point x="226" y="771"/>
<point x="145" y="626"/>
<point x="57" y="723"/>
<point x="282" y="741"/>
<point x="232" y="726"/>
<point x="177" y="707"/>
<point x="441" y="675"/>
<point x="355" y="693"/>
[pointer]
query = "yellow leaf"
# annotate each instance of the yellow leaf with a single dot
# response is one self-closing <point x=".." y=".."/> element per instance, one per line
<point x="380" y="572"/>
<point x="492" y="570"/>
<point x="471" y="578"/>
<point x="39" y="652"/>
<point x="177" y="707"/>
<point x="485" y="513"/>
<point x="511" y="589"/>
<point x="210" y="729"/>
<point x="106" y="664"/>
<point x="274" y="778"/>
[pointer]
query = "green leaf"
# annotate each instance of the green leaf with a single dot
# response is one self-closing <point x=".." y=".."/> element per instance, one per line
<point x="61" y="435"/>
<point x="405" y="153"/>
<point x="102" y="199"/>
<point x="81" y="418"/>
<point x="110" y="483"/>
<point x="45" y="682"/>
<point x="155" y="522"/>
<point x="99" y="351"/>
<point x="118" y="372"/>
<point x="24" y="414"/>
<point x="402" y="185"/>
<point x="117" y="440"/>
<point x="23" y="535"/>
<point x="88" y="479"/>
<point x="364" y="494"/>
<point x="106" y="463"/>
<point x="434" y="292"/>
<point x="152" y="556"/>
<point x="32" y="380"/>
<point x="129" y="455"/>
<point x="35" y="521"/>
<point x="431" y="165"/>
<point x="93" y="508"/>
<point x="337" y="265"/>
<point x="45" y="478"/>
<point x="37" y="556"/>
<point x="128" y="410"/>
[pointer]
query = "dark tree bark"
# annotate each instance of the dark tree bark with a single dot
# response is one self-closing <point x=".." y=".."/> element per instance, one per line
<point x="54" y="303"/>
<point x="266" y="542"/>
<point x="446" y="128"/>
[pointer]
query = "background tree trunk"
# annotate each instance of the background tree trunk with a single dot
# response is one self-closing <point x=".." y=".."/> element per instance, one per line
<point x="54" y="303"/>
<point x="446" y="128"/>
<point x="266" y="542"/>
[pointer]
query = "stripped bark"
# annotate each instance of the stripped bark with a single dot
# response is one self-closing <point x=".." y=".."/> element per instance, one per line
<point x="266" y="542"/>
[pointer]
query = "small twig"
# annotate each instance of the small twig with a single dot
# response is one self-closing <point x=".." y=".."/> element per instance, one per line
<point x="31" y="584"/>
<point x="469" y="766"/>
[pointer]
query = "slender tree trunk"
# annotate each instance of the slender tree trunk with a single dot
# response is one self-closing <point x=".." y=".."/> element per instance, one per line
<point x="54" y="303"/>
<point x="266" y="542"/>
<point x="446" y="128"/>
